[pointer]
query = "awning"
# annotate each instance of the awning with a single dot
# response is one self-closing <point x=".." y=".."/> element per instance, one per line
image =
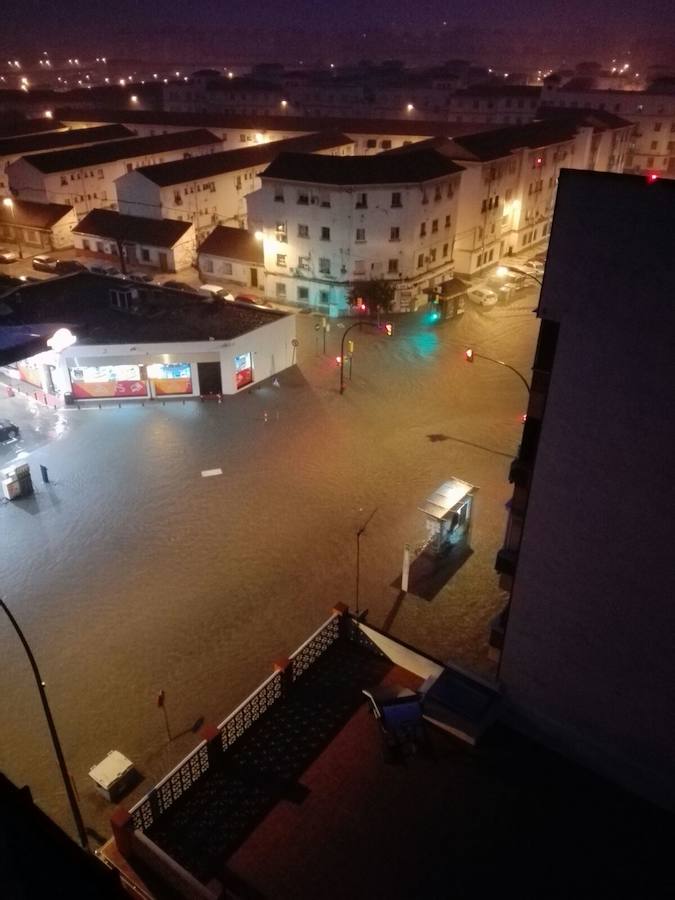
<point x="442" y="503"/>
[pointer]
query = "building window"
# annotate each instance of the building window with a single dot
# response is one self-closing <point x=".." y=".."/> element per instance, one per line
<point x="423" y="229"/>
<point x="447" y="221"/>
<point x="654" y="145"/>
<point x="420" y="260"/>
<point x="395" y="233"/>
<point x="432" y="255"/>
<point x="360" y="235"/>
<point x="281" y="259"/>
<point x="657" y="126"/>
<point x="303" y="262"/>
<point x="325" y="233"/>
<point x="303" y="198"/>
<point x="362" y="201"/>
<point x="371" y="143"/>
<point x="434" y="226"/>
<point x="279" y="195"/>
<point x="445" y="249"/>
<point x="437" y="192"/>
<point x="303" y="231"/>
<point x="650" y="162"/>
<point x="145" y="254"/>
<point x="303" y="294"/>
<point x="324" y="265"/>
<point x="281" y="235"/>
<point x="386" y="145"/>
<point x="281" y="290"/>
<point x="396" y="199"/>
<point x="207" y="265"/>
<point x="483" y="206"/>
<point x="324" y="297"/>
<point x="359" y="267"/>
<point x="392" y="266"/>
<point x="64" y="181"/>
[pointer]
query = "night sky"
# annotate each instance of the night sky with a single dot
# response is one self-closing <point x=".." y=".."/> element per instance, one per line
<point x="32" y="23"/>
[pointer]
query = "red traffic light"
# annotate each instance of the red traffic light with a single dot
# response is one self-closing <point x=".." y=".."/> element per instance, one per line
<point x="468" y="355"/>
<point x="388" y="329"/>
<point x="652" y="177"/>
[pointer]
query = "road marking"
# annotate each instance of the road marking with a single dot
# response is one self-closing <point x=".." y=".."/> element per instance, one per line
<point x="208" y="473"/>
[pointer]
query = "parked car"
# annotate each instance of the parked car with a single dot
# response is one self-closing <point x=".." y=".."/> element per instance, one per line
<point x="533" y="267"/>
<point x="8" y="430"/>
<point x="104" y="269"/>
<point x="215" y="290"/>
<point x="45" y="263"/>
<point x="482" y="296"/>
<point x="66" y="266"/>
<point x="179" y="286"/>
<point x="8" y="256"/>
<point x="144" y="277"/>
<point x="247" y="298"/>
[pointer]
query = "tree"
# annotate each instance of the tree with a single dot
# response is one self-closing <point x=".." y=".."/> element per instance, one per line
<point x="373" y="292"/>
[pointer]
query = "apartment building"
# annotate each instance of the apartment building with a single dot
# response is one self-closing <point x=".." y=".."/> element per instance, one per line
<point x="370" y="134"/>
<point x="13" y="148"/>
<point x="585" y="643"/>
<point x="212" y="190"/>
<point x="652" y="149"/>
<point x="495" y="104"/>
<point x="326" y="221"/>
<point x="84" y="177"/>
<point x="510" y="179"/>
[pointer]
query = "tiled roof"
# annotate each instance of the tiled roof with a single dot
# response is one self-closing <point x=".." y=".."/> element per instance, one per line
<point x="10" y="127"/>
<point x="34" y="143"/>
<point x="33" y="215"/>
<point x="598" y="119"/>
<point x="233" y="243"/>
<point x="77" y="158"/>
<point x="196" y="167"/>
<point x="501" y="142"/>
<point x="405" y="168"/>
<point x="133" y="229"/>
<point x="350" y="125"/>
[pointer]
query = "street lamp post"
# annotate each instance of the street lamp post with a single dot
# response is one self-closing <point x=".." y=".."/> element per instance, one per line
<point x="342" y="349"/>
<point x="470" y="355"/>
<point x="9" y="203"/>
<point x="360" y="531"/>
<point x="77" y="816"/>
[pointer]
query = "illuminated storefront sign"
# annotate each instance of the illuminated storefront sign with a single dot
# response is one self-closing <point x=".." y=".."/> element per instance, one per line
<point x="170" y="378"/>
<point x="243" y="370"/>
<point x="107" y="381"/>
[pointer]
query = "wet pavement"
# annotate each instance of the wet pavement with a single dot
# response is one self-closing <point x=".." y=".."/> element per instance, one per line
<point x="132" y="573"/>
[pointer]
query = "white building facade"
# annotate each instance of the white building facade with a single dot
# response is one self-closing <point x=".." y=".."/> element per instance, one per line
<point x="326" y="224"/>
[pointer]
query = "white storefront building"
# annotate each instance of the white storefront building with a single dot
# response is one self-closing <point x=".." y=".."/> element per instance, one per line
<point x="134" y="342"/>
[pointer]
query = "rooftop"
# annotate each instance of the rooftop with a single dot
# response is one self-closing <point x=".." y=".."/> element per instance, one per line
<point x="134" y="229"/>
<point x="183" y="170"/>
<point x="405" y="168"/>
<point x="501" y="142"/>
<point x="597" y="119"/>
<point x="233" y="243"/>
<point x="33" y="215"/>
<point x="349" y="125"/>
<point x="34" y="143"/>
<point x="500" y="90"/>
<point x="83" y="302"/>
<point x="13" y="127"/>
<point x="96" y="154"/>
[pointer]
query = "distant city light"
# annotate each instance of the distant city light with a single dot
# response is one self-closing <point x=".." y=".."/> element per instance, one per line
<point x="134" y="98"/>
<point x="284" y="102"/>
<point x="410" y="107"/>
<point x="258" y="235"/>
<point x="123" y="82"/>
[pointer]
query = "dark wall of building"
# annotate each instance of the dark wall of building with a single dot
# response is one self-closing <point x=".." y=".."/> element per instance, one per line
<point x="588" y="657"/>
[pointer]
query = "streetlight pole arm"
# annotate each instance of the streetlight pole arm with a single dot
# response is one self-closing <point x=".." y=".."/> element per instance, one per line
<point x="77" y="816"/>
<point x="506" y="366"/>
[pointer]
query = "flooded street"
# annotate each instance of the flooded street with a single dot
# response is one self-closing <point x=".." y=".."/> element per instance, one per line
<point x="132" y="573"/>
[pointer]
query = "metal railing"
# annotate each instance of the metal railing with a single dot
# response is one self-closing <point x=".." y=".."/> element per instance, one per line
<point x="194" y="766"/>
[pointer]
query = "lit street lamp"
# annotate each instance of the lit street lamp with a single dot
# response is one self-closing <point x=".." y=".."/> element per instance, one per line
<point x="9" y="203"/>
<point x="502" y="271"/>
<point x="77" y="816"/>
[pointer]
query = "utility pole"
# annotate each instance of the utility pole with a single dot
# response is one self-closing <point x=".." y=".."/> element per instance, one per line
<point x="360" y="531"/>
<point x="65" y="775"/>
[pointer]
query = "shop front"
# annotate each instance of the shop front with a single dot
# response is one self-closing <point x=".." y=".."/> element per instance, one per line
<point x="96" y="382"/>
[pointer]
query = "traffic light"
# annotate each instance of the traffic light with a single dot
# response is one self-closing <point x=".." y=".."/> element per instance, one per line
<point x="652" y="177"/>
<point x="468" y="355"/>
<point x="388" y="329"/>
